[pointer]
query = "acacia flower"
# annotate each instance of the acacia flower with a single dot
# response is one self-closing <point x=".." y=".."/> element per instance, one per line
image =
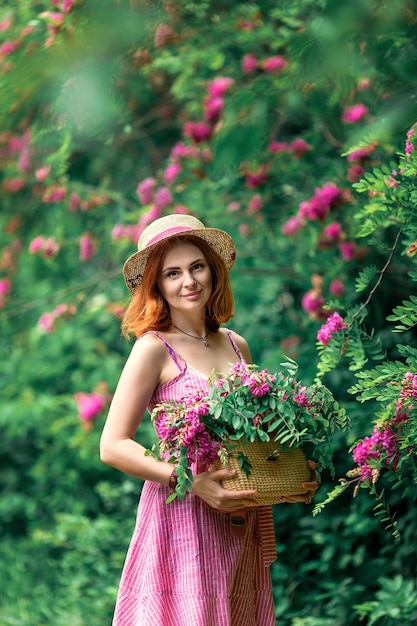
<point x="88" y="247"/>
<point x="354" y="114"/>
<point x="218" y="86"/>
<point x="145" y="190"/>
<point x="274" y="64"/>
<point x="163" y="198"/>
<point x="249" y="63"/>
<point x="333" y="324"/>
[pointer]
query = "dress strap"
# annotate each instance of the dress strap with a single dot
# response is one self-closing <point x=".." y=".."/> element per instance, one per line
<point x="233" y="342"/>
<point x="174" y="356"/>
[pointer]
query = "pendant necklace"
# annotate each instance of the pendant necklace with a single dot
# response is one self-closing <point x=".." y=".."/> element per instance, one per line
<point x="203" y="339"/>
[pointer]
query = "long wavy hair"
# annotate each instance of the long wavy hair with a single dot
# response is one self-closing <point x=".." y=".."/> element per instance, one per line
<point x="148" y="309"/>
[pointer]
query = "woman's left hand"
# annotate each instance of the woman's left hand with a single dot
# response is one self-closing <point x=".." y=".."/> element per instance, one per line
<point x="310" y="486"/>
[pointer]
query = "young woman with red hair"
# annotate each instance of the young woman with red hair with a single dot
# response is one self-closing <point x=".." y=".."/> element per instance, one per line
<point x="204" y="560"/>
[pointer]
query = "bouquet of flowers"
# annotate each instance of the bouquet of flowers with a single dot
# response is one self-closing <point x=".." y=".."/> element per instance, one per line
<point x="246" y="405"/>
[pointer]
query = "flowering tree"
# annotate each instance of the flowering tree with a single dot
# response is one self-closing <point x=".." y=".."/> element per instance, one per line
<point x="292" y="128"/>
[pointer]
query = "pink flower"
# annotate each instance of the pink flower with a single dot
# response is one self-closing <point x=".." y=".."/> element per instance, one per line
<point x="197" y="131"/>
<point x="333" y="324"/>
<point x="347" y="250"/>
<point x="171" y="173"/>
<point x="36" y="244"/>
<point x="274" y="64"/>
<point x="362" y="153"/>
<point x="255" y="203"/>
<point x="257" y="177"/>
<point x="299" y="147"/>
<point x="249" y="63"/>
<point x="278" y="146"/>
<point x="220" y="85"/>
<point x="8" y="47"/>
<point x="337" y="288"/>
<point x="292" y="226"/>
<point x="409" y="143"/>
<point x="90" y="405"/>
<point x="162" y="198"/>
<point x="5" y="287"/>
<point x="5" y="24"/>
<point x="13" y="185"/>
<point x="50" y="247"/>
<point x="42" y="172"/>
<point x="74" y="201"/>
<point x="333" y="231"/>
<point x="354" y="114"/>
<point x="312" y="303"/>
<point x="355" y="173"/>
<point x="54" y="194"/>
<point x="213" y="107"/>
<point x="130" y="232"/>
<point x="67" y="5"/>
<point x="181" y="151"/>
<point x="145" y="190"/>
<point x="88" y="247"/>
<point x="233" y="206"/>
<point x="46" y="322"/>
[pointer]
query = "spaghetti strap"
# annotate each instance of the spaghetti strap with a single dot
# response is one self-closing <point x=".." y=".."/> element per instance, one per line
<point x="178" y="360"/>
<point x="233" y="342"/>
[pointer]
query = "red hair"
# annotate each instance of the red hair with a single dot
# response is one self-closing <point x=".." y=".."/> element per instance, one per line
<point x="148" y="310"/>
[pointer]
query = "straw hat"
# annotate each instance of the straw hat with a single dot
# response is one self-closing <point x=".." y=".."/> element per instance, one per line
<point x="171" y="226"/>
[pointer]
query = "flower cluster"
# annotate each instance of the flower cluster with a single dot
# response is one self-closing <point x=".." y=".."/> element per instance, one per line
<point x="246" y="404"/>
<point x="384" y="447"/>
<point x="333" y="324"/>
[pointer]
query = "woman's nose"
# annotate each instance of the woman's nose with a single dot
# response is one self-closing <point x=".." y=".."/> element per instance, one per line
<point x="189" y="279"/>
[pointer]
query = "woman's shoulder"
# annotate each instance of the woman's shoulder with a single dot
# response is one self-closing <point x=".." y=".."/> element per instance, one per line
<point x="241" y="343"/>
<point x="150" y="344"/>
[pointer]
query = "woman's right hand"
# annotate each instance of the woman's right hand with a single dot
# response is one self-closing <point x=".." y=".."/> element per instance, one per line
<point x="207" y="486"/>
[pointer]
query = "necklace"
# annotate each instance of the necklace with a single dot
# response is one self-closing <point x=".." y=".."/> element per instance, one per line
<point x="203" y="339"/>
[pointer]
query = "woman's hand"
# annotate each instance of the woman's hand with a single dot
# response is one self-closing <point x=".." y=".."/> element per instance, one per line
<point x="207" y="486"/>
<point x="310" y="486"/>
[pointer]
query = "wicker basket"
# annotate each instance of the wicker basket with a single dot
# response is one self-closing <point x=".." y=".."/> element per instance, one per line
<point x="274" y="473"/>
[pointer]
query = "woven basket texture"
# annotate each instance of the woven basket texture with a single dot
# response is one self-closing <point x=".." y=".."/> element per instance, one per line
<point x="280" y="476"/>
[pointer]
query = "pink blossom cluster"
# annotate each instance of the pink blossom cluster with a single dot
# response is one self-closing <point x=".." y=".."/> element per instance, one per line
<point x="357" y="159"/>
<point x="271" y="64"/>
<point x="384" y="447"/>
<point x="354" y="113"/>
<point x="259" y="383"/>
<point x="47" y="246"/>
<point x="201" y="130"/>
<point x="179" y="426"/>
<point x="410" y="140"/>
<point x="324" y="199"/>
<point x="5" y="287"/>
<point x="381" y="446"/>
<point x="47" y="320"/>
<point x="90" y="405"/>
<point x="333" y="324"/>
<point x="298" y="147"/>
<point x="88" y="247"/>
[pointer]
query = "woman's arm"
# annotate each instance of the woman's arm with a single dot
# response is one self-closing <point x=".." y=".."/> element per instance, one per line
<point x="138" y="380"/>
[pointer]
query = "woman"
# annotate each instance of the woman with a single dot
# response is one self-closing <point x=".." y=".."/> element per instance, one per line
<point x="202" y="561"/>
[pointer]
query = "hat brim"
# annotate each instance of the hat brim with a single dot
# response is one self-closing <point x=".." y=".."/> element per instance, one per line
<point x="218" y="240"/>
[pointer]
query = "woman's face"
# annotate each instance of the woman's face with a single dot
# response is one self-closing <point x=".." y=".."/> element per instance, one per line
<point x="185" y="279"/>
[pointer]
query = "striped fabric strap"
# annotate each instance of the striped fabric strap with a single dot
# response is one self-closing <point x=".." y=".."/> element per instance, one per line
<point x="266" y="534"/>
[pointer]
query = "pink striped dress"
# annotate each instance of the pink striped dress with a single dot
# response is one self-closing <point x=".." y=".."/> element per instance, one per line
<point x="184" y="567"/>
